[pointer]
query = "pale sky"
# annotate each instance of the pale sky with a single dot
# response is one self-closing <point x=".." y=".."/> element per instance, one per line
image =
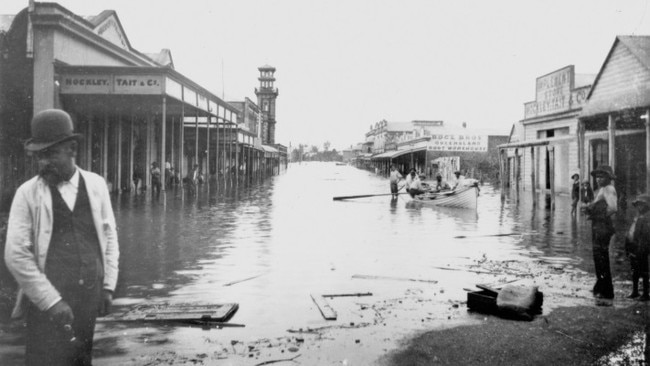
<point x="344" y="65"/>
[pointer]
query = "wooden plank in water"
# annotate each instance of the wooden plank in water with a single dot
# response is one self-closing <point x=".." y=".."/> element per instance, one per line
<point x="369" y="277"/>
<point x="324" y="307"/>
<point x="174" y="312"/>
<point x="355" y="294"/>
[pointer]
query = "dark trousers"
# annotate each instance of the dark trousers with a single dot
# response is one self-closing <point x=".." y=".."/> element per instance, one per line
<point x="49" y="344"/>
<point x="155" y="186"/>
<point x="600" y="236"/>
<point x="393" y="187"/>
<point x="639" y="262"/>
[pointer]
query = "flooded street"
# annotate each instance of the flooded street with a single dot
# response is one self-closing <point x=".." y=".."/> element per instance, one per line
<point x="276" y="244"/>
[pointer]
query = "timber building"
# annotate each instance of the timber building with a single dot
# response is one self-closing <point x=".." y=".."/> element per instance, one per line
<point x="580" y="122"/>
<point x="132" y="108"/>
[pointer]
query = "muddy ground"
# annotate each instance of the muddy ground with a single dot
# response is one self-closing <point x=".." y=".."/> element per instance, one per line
<point x="420" y="328"/>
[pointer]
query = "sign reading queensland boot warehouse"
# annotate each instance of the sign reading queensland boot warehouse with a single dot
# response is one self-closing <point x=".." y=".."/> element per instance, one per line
<point x="458" y="141"/>
<point x="111" y="84"/>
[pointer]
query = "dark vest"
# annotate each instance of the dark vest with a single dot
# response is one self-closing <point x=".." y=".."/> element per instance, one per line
<point x="74" y="256"/>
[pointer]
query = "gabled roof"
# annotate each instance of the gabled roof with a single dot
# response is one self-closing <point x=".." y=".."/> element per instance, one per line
<point x="107" y="24"/>
<point x="638" y="95"/>
<point x="162" y="58"/>
<point x="638" y="45"/>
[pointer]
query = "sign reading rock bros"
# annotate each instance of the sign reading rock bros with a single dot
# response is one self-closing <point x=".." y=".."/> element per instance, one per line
<point x="452" y="141"/>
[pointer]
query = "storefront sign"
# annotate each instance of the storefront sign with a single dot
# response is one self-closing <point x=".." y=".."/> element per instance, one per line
<point x="553" y="93"/>
<point x="111" y="84"/>
<point x="579" y="96"/>
<point x="85" y="84"/>
<point x="458" y="142"/>
<point x="138" y="84"/>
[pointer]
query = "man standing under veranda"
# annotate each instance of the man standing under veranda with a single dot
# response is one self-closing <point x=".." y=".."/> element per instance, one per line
<point x="601" y="212"/>
<point x="61" y="247"/>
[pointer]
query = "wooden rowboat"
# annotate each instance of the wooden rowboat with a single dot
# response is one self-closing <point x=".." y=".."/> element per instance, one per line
<point x="464" y="197"/>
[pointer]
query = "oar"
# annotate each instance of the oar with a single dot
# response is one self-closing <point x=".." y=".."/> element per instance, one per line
<point x="339" y="198"/>
<point x="484" y="236"/>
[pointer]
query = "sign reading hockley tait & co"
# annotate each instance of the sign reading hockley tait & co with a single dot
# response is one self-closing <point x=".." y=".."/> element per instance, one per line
<point x="452" y="141"/>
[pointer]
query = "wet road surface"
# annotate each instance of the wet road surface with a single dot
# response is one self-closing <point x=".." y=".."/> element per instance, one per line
<point x="269" y="247"/>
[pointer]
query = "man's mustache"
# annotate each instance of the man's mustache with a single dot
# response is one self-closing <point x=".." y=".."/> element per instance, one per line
<point x="50" y="173"/>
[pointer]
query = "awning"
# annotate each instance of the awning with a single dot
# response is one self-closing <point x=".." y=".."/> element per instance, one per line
<point x="269" y="149"/>
<point x="531" y="143"/>
<point x="384" y="155"/>
<point x="409" y="151"/>
<point x="420" y="146"/>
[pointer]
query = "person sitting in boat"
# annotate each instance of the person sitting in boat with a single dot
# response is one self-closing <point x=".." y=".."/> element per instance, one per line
<point x="415" y="186"/>
<point x="440" y="184"/>
<point x="408" y="180"/>
<point x="458" y="182"/>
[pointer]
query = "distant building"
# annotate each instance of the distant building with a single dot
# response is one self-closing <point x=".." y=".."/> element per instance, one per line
<point x="384" y="136"/>
<point x="431" y="148"/>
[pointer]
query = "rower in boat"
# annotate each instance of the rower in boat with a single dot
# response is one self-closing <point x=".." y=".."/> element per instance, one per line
<point x="415" y="184"/>
<point x="440" y="184"/>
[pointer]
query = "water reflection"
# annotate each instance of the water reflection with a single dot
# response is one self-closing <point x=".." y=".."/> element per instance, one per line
<point x="293" y="219"/>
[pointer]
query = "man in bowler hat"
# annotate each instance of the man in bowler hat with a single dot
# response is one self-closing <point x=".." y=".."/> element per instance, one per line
<point x="601" y="212"/>
<point x="61" y="247"/>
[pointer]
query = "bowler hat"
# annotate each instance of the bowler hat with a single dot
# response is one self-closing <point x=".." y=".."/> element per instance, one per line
<point x="642" y="199"/>
<point x="50" y="127"/>
<point x="605" y="170"/>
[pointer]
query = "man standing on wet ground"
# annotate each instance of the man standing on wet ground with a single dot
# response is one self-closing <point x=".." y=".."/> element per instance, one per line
<point x="601" y="212"/>
<point x="155" y="179"/>
<point x="395" y="177"/>
<point x="61" y="247"/>
<point x="575" y="192"/>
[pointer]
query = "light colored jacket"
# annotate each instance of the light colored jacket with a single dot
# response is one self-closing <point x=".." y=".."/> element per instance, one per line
<point x="29" y="232"/>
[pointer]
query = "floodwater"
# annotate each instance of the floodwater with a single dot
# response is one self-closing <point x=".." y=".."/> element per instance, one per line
<point x="273" y="246"/>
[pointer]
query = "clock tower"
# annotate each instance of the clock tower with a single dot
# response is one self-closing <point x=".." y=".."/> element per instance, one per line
<point x="266" y="95"/>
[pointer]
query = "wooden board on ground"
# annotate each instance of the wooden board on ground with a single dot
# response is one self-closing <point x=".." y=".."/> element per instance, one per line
<point x="324" y="307"/>
<point x="174" y="312"/>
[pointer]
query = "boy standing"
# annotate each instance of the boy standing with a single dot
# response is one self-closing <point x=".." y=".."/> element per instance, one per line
<point x="637" y="246"/>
